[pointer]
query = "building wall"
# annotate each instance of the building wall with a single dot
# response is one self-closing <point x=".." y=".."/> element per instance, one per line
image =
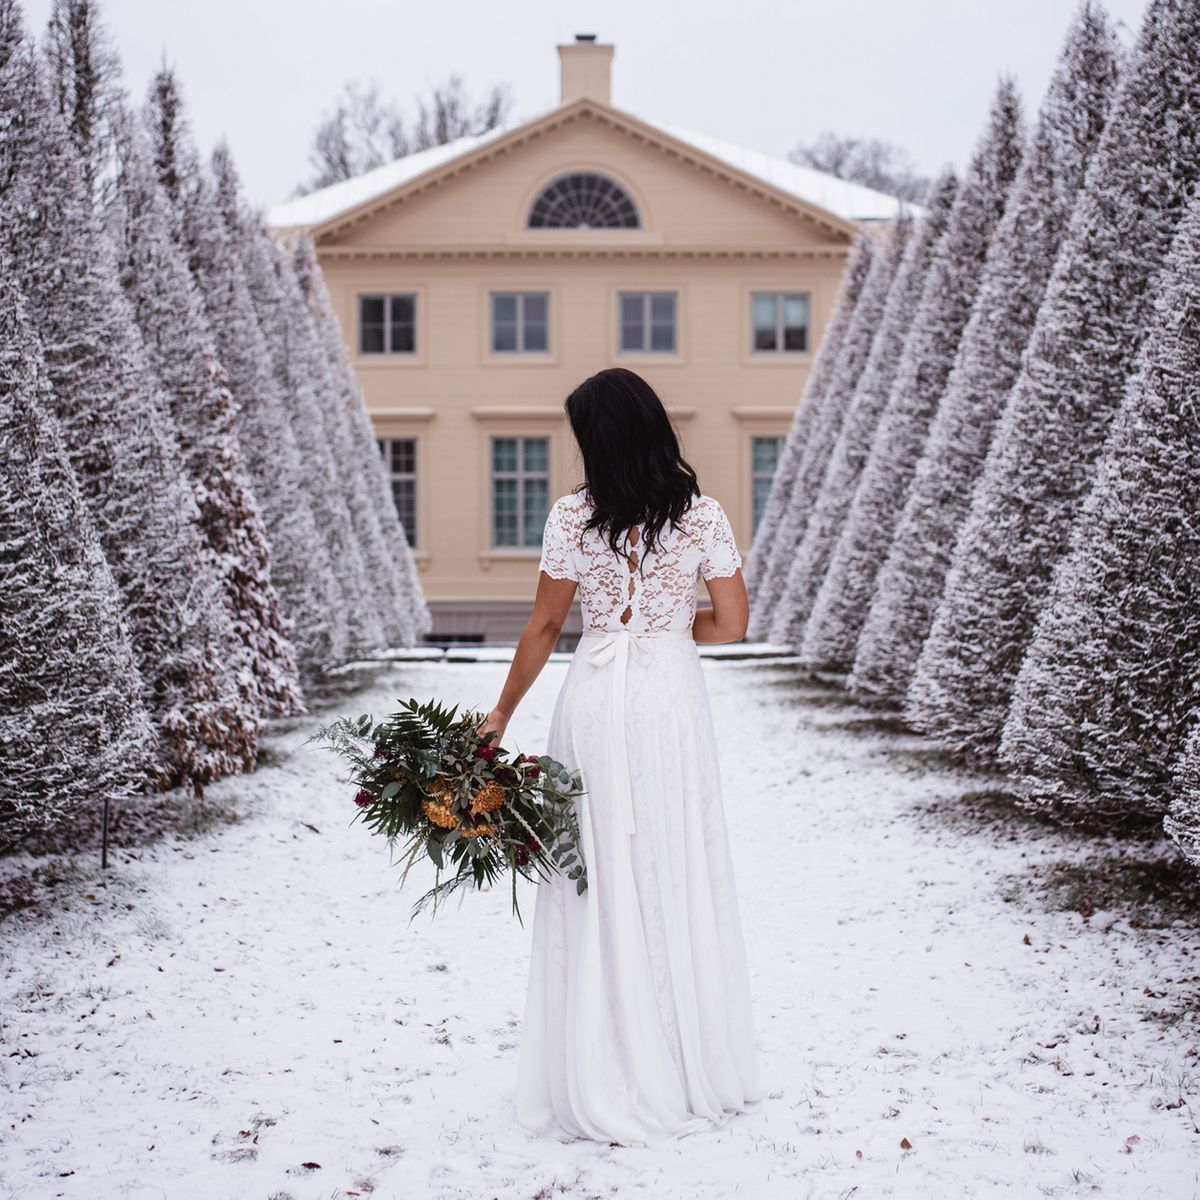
<point x="453" y="245"/>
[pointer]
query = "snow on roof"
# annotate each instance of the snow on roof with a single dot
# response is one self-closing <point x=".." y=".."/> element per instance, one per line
<point x="851" y="201"/>
<point x="327" y="202"/>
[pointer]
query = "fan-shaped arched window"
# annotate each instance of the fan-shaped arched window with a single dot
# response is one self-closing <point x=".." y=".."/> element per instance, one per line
<point x="583" y="200"/>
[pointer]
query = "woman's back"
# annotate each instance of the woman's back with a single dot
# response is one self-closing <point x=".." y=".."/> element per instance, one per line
<point x="642" y="597"/>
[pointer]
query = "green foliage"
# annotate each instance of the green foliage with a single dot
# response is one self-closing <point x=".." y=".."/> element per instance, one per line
<point x="427" y="760"/>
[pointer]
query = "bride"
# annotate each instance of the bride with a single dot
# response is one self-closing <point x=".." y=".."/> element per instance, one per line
<point x="637" y="1022"/>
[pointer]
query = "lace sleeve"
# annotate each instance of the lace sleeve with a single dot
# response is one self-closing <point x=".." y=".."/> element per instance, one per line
<point x="722" y="558"/>
<point x="557" y="560"/>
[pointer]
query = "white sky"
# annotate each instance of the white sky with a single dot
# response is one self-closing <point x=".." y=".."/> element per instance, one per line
<point x="766" y="73"/>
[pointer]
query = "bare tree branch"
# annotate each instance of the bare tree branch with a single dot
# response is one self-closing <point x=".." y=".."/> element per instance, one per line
<point x="869" y="161"/>
<point x="365" y="130"/>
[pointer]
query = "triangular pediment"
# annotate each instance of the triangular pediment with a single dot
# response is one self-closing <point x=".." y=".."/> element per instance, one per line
<point x="685" y="197"/>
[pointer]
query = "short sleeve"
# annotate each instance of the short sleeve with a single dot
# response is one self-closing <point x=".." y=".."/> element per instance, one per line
<point x="721" y="559"/>
<point x="557" y="559"/>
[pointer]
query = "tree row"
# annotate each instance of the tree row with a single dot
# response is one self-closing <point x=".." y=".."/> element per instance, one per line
<point x="987" y="512"/>
<point x="195" y="522"/>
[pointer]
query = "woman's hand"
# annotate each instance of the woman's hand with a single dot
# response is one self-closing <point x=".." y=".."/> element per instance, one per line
<point x="550" y="607"/>
<point x="495" y="721"/>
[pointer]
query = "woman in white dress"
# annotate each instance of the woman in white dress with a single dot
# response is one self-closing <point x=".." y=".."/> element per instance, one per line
<point x="638" y="1024"/>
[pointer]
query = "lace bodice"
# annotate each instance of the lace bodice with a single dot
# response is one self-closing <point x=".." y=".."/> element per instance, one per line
<point x="658" y="594"/>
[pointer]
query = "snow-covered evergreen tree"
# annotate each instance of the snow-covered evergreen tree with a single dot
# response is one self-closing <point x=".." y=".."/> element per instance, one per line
<point x="83" y="77"/>
<point x="300" y="371"/>
<point x="73" y="729"/>
<point x="414" y="611"/>
<point x="1182" y="821"/>
<point x="766" y="553"/>
<point x="310" y="592"/>
<point x="989" y="357"/>
<point x="821" y="438"/>
<point x="811" y="557"/>
<point x="118" y="435"/>
<point x="1087" y="332"/>
<point x="383" y="573"/>
<point x="841" y="604"/>
<point x="1111" y="681"/>
<point x="171" y="314"/>
<point x="281" y="315"/>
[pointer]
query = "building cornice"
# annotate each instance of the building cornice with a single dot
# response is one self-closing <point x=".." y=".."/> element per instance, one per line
<point x="460" y="253"/>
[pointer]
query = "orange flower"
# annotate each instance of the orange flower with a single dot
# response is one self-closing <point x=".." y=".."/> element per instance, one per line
<point x="489" y="797"/>
<point x="478" y="830"/>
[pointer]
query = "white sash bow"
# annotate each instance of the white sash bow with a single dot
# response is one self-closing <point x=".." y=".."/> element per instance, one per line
<point x="613" y="645"/>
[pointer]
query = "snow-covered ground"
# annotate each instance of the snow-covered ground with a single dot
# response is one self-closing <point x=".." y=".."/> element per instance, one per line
<point x="248" y="1014"/>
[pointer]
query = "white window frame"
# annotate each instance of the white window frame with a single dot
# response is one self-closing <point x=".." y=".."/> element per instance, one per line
<point x="388" y="298"/>
<point x="521" y="475"/>
<point x="386" y="449"/>
<point x="647" y="299"/>
<point x="520" y="298"/>
<point x="757" y="476"/>
<point x="779" y="299"/>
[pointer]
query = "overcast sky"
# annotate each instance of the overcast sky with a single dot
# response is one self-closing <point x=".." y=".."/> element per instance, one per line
<point x="765" y="73"/>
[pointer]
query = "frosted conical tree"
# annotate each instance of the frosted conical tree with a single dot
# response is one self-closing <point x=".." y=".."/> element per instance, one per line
<point x="821" y="437"/>
<point x="1088" y="329"/>
<point x="281" y="317"/>
<point x="1014" y="281"/>
<point x="811" y="556"/>
<point x="73" y="729"/>
<point x="845" y="594"/>
<point x="381" y="571"/>
<point x="117" y="433"/>
<point x="766" y="554"/>
<point x="83" y="78"/>
<point x="311" y="595"/>
<point x="1111" y="680"/>
<point x="300" y="369"/>
<point x="414" y="613"/>
<point x="171" y="314"/>
<point x="1182" y="821"/>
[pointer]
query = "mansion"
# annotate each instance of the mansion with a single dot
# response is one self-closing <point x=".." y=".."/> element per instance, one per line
<point x="479" y="281"/>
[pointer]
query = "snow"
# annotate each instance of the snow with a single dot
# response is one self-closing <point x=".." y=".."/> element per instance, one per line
<point x="224" y="1008"/>
<point x="851" y="201"/>
<point x="328" y="202"/>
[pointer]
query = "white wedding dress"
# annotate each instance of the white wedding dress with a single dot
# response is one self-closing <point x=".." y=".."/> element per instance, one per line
<point x="638" y="1023"/>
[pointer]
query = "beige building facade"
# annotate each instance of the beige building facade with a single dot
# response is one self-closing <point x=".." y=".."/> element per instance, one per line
<point x="477" y="283"/>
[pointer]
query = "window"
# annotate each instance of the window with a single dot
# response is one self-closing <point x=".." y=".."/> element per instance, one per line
<point x="780" y="321"/>
<point x="764" y="457"/>
<point x="400" y="463"/>
<point x="520" y="490"/>
<point x="387" y="324"/>
<point x="520" y="322"/>
<point x="647" y="322"/>
<point x="583" y="200"/>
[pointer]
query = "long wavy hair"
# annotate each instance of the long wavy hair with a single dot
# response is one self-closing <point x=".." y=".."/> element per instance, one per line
<point x="633" y="469"/>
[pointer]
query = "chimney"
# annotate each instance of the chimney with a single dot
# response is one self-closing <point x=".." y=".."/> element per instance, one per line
<point x="586" y="69"/>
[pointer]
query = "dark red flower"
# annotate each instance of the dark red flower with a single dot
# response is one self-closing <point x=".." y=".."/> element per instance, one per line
<point x="506" y="775"/>
<point x="363" y="797"/>
<point x="381" y="751"/>
<point x="485" y="752"/>
<point x="533" y="844"/>
<point x="522" y="857"/>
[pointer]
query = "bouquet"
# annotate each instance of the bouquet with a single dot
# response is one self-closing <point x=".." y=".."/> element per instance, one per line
<point x="425" y="776"/>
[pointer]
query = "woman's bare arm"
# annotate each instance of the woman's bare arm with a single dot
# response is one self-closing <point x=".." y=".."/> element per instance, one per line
<point x="726" y="621"/>
<point x="550" y="607"/>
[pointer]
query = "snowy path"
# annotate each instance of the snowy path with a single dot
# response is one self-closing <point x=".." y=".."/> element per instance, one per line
<point x="223" y="1010"/>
